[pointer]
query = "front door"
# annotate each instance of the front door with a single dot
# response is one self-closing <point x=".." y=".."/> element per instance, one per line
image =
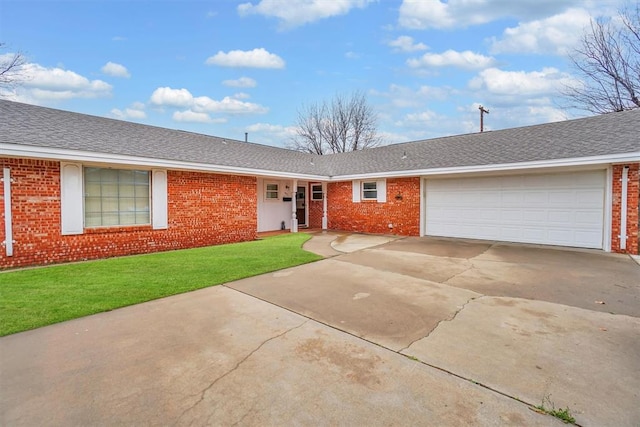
<point x="301" y="206"/>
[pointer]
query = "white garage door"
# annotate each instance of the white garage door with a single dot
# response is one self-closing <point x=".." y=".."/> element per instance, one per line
<point x="564" y="209"/>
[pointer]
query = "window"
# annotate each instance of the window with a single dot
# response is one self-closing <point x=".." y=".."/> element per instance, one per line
<point x="316" y="192"/>
<point x="369" y="190"/>
<point x="271" y="192"/>
<point x="116" y="197"/>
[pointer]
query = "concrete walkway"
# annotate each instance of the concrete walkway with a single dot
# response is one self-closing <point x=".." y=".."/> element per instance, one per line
<point x="380" y="333"/>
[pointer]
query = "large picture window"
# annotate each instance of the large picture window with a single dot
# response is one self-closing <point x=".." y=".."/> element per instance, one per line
<point x="115" y="197"/>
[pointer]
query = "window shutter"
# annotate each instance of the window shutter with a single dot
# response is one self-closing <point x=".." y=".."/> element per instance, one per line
<point x="159" y="198"/>
<point x="355" y="187"/>
<point x="381" y="186"/>
<point x="71" y="198"/>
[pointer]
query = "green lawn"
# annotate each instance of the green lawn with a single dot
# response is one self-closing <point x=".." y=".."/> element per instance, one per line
<point x="37" y="297"/>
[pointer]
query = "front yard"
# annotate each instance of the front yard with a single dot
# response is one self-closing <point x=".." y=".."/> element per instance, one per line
<point x="38" y="297"/>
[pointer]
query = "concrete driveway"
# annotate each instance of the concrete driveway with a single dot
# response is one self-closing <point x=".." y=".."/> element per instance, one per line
<point x="384" y="332"/>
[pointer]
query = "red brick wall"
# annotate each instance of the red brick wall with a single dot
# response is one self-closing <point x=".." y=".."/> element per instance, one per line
<point x="315" y="210"/>
<point x="203" y="209"/>
<point x="633" y="196"/>
<point x="374" y="217"/>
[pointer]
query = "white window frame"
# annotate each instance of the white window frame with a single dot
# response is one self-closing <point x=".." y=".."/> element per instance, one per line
<point x="369" y="193"/>
<point x="315" y="193"/>
<point x="359" y="191"/>
<point x="268" y="192"/>
<point x="119" y="197"/>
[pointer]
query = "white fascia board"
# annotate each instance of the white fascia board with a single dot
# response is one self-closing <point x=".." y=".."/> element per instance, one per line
<point x="45" y="153"/>
<point x="539" y="164"/>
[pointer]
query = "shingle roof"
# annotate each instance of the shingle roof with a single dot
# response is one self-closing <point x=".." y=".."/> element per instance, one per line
<point x="607" y="134"/>
<point x="45" y="127"/>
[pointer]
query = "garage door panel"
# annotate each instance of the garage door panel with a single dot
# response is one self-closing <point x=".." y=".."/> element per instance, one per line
<point x="559" y="209"/>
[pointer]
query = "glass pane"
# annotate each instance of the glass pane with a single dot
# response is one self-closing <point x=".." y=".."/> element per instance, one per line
<point x="109" y="175"/>
<point x="110" y="190"/>
<point x="141" y="177"/>
<point x="110" y="218"/>
<point x="125" y="177"/>
<point x="127" y="190"/>
<point x="142" y="204"/>
<point x="93" y="204"/>
<point x="272" y="187"/>
<point x="369" y="185"/>
<point x="92" y="175"/>
<point x="110" y="204"/>
<point x="142" y="218"/>
<point x="92" y="219"/>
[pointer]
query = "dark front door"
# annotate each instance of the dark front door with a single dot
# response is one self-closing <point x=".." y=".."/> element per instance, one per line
<point x="301" y="206"/>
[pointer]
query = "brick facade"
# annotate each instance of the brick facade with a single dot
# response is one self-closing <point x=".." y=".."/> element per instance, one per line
<point x="203" y="209"/>
<point x="402" y="212"/>
<point x="633" y="200"/>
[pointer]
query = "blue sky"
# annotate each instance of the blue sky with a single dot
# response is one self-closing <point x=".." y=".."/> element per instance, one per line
<point x="225" y="67"/>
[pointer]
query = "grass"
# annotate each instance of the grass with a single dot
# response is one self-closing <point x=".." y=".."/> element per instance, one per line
<point x="37" y="297"/>
<point x="562" y="414"/>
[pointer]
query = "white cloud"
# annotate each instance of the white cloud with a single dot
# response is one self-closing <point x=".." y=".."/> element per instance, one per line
<point x="168" y="97"/>
<point x="42" y="84"/>
<point x="256" y="58"/>
<point x="556" y="34"/>
<point x="352" y="55"/>
<point x="463" y="13"/>
<point x="548" y="81"/>
<point x="241" y="82"/>
<point x="191" y="116"/>
<point x="293" y="13"/>
<point x="241" y="95"/>
<point x="406" y="44"/>
<point x="115" y="70"/>
<point x="270" y="134"/>
<point x="405" y="97"/>
<point x="129" y="113"/>
<point x="451" y="58"/>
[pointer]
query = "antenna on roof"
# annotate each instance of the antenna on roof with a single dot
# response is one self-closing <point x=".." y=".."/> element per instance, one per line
<point x="482" y="111"/>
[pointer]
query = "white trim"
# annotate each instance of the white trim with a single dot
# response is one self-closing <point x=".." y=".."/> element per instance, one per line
<point x="623" y="207"/>
<point x="381" y="189"/>
<point x="423" y="205"/>
<point x="13" y="150"/>
<point x="355" y="191"/>
<point x="608" y="210"/>
<point x="541" y="164"/>
<point x="8" y="217"/>
<point x="71" y="198"/>
<point x="325" y="219"/>
<point x="159" y="199"/>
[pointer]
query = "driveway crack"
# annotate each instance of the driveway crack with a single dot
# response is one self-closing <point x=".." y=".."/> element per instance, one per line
<point x="448" y="319"/>
<point x="230" y="371"/>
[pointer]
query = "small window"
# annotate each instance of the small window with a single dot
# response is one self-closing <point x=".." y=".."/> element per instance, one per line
<point x="369" y="190"/>
<point x="114" y="197"/>
<point x="271" y="192"/>
<point x="316" y="192"/>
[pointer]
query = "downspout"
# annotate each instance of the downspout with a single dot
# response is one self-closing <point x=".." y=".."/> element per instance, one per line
<point x="623" y="208"/>
<point x="294" y="218"/>
<point x="325" y="220"/>
<point x="8" y="230"/>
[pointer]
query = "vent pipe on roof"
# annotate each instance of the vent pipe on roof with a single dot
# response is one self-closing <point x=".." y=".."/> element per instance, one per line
<point x="482" y="111"/>
<point x="246" y="137"/>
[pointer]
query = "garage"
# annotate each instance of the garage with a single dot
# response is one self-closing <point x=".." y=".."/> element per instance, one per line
<point x="565" y="209"/>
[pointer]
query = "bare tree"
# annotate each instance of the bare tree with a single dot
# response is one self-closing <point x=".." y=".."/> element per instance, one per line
<point x="11" y="69"/>
<point x="344" y="124"/>
<point x="608" y="63"/>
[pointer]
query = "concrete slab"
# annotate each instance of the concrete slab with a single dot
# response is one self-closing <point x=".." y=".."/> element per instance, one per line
<point x="348" y="243"/>
<point x="592" y="280"/>
<point x="219" y="357"/>
<point x="320" y="243"/>
<point x="390" y="309"/>
<point x="581" y="359"/>
<point x="440" y="247"/>
<point x="414" y="264"/>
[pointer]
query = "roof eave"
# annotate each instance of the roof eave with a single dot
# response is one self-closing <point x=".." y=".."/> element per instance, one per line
<point x="44" y="153"/>
<point x="538" y="164"/>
